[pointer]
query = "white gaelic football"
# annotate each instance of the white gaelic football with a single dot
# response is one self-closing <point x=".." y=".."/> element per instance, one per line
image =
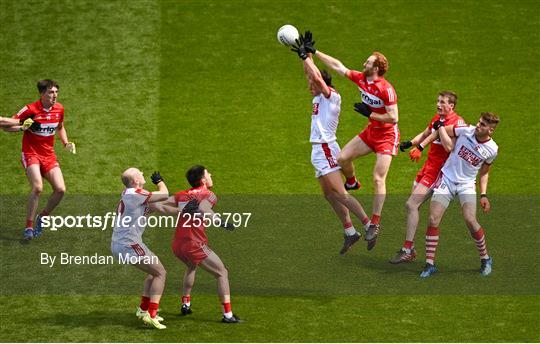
<point x="287" y="34"/>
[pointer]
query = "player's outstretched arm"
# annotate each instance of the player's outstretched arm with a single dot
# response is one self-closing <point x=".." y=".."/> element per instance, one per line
<point x="332" y="63"/>
<point x="403" y="146"/>
<point x="314" y="74"/>
<point x="165" y="207"/>
<point x="483" y="182"/>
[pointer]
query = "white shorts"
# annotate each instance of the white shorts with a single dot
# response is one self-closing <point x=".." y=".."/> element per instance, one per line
<point x="135" y="250"/>
<point x="444" y="191"/>
<point x="324" y="158"/>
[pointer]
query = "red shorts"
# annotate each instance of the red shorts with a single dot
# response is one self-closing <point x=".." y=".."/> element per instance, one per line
<point x="46" y="163"/>
<point x="381" y="140"/>
<point x="191" y="252"/>
<point x="428" y="175"/>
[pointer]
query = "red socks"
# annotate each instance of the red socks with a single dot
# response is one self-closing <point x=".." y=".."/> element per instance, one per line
<point x="375" y="219"/>
<point x="480" y="241"/>
<point x="432" y="240"/>
<point x="186" y="300"/>
<point x="351" y="181"/>
<point x="226" y="307"/>
<point x="145" y="301"/>
<point x="408" y="244"/>
<point x="153" y="309"/>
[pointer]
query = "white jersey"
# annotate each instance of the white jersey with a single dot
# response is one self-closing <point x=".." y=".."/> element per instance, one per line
<point x="134" y="203"/>
<point x="468" y="155"/>
<point x="325" y="117"/>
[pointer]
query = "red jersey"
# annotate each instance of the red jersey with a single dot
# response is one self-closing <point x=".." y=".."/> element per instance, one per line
<point x="186" y="230"/>
<point x="41" y="142"/>
<point x="437" y="155"/>
<point x="376" y="94"/>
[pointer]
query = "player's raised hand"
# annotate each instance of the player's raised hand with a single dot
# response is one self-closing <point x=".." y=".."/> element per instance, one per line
<point x="437" y="124"/>
<point x="484" y="203"/>
<point x="309" y="43"/>
<point x="299" y="48"/>
<point x="363" y="109"/>
<point x="27" y="123"/>
<point x="70" y="146"/>
<point x="415" y="154"/>
<point x="403" y="146"/>
<point x="156" y="178"/>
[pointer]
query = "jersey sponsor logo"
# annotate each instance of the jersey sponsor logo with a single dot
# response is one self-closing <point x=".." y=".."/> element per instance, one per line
<point x="371" y="99"/>
<point x="469" y="156"/>
<point x="45" y="129"/>
<point x="315" y="109"/>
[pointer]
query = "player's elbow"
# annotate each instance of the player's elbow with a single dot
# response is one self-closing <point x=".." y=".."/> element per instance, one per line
<point x="448" y="148"/>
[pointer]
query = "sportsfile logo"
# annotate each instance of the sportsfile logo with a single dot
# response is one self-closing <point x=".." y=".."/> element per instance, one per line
<point x="111" y="220"/>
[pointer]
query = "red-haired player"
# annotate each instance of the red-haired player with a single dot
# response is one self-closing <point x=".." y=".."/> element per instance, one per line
<point x="381" y="136"/>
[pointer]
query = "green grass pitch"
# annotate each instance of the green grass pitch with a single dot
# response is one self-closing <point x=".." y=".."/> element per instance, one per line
<point x="163" y="85"/>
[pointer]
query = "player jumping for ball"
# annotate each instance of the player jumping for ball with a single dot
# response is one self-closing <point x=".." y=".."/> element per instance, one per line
<point x="325" y="149"/>
<point x="381" y="136"/>
<point x="472" y="154"/>
<point x="190" y="243"/>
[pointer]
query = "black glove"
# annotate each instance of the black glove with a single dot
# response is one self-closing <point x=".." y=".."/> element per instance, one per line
<point x="36" y="126"/>
<point x="191" y="207"/>
<point x="309" y="43"/>
<point x="156" y="178"/>
<point x="299" y="48"/>
<point x="403" y="146"/>
<point x="437" y="124"/>
<point x="363" y="109"/>
<point x="228" y="226"/>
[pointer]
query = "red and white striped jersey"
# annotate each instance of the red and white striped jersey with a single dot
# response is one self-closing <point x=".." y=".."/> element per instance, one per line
<point x="40" y="142"/>
<point x="376" y="94"/>
<point x="131" y="222"/>
<point x="325" y="117"/>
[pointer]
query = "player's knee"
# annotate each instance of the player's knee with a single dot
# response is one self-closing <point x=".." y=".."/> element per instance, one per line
<point x="411" y="206"/>
<point x="342" y="159"/>
<point x="433" y="220"/>
<point x="222" y="273"/>
<point x="60" y="190"/>
<point x="379" y="181"/>
<point x="37" y="189"/>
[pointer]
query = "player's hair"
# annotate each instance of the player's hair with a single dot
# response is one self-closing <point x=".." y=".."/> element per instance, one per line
<point x="381" y="62"/>
<point x="45" y="84"/>
<point x="452" y="97"/>
<point x="327" y="78"/>
<point x="195" y="174"/>
<point x="490" y="118"/>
